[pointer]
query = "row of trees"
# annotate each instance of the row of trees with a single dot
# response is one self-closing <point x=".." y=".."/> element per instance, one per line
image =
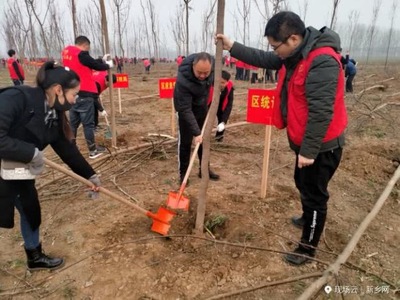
<point x="38" y="28"/>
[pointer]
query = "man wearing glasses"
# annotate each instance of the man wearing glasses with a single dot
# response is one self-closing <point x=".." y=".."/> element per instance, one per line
<point x="310" y="94"/>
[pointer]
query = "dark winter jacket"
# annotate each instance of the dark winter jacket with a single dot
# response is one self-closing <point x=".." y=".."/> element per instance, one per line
<point x="320" y="97"/>
<point x="22" y="129"/>
<point x="191" y="94"/>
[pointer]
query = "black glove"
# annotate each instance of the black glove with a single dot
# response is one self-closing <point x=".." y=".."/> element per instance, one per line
<point x="37" y="163"/>
<point x="96" y="181"/>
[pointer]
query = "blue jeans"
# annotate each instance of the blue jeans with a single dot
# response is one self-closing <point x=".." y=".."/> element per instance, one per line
<point x="31" y="237"/>
<point x="83" y="112"/>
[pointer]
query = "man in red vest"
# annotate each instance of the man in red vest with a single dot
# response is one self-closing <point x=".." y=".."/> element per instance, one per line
<point x="15" y="69"/>
<point x="78" y="59"/>
<point x="310" y="98"/>
<point x="225" y="103"/>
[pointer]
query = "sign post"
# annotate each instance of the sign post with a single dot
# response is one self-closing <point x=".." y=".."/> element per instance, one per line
<point x="166" y="90"/>
<point x="260" y="105"/>
<point x="122" y="82"/>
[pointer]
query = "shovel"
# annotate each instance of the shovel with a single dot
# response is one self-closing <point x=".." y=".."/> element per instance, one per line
<point x="177" y="200"/>
<point x="160" y="219"/>
<point x="108" y="133"/>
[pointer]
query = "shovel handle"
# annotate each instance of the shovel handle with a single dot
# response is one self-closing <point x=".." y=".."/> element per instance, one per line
<point x="194" y="154"/>
<point x="90" y="184"/>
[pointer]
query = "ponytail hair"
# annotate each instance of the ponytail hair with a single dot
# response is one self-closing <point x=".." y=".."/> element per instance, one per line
<point x="51" y="74"/>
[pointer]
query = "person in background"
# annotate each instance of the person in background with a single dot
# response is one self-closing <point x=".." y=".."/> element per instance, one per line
<point x="101" y="79"/>
<point x="31" y="118"/>
<point x="78" y="59"/>
<point x="180" y="59"/>
<point x="15" y="69"/>
<point x="225" y="103"/>
<point x="350" y="72"/>
<point x="310" y="103"/>
<point x="147" y="65"/>
<point x="190" y="101"/>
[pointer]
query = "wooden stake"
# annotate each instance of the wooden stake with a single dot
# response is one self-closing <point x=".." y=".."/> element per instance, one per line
<point x="173" y="121"/>
<point x="264" y="177"/>
<point x="119" y="101"/>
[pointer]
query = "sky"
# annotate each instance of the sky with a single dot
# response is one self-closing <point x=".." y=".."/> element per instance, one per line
<point x="318" y="14"/>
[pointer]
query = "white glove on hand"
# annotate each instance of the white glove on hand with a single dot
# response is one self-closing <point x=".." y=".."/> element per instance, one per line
<point x="221" y="127"/>
<point x="37" y="163"/>
<point x="110" y="63"/>
<point x="106" y="57"/>
<point x="104" y="113"/>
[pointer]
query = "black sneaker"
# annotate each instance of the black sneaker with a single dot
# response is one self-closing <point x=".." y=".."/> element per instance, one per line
<point x="97" y="152"/>
<point x="298" y="260"/>
<point x="298" y="221"/>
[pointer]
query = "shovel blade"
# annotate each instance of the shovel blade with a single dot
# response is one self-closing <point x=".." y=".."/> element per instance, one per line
<point x="160" y="227"/>
<point x="175" y="203"/>
<point x="165" y="215"/>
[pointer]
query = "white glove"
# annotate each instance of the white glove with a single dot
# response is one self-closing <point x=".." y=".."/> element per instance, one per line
<point x="221" y="127"/>
<point x="106" y="57"/>
<point x="110" y="63"/>
<point x="104" y="113"/>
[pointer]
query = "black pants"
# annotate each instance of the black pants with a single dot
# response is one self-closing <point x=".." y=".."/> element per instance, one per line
<point x="185" y="144"/>
<point x="349" y="83"/>
<point x="312" y="183"/>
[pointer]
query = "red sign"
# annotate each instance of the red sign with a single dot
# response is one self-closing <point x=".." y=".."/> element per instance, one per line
<point x="122" y="81"/>
<point x="260" y="104"/>
<point x="166" y="87"/>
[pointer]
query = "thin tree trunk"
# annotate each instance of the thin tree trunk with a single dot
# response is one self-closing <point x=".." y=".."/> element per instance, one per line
<point x="201" y="207"/>
<point x="104" y="29"/>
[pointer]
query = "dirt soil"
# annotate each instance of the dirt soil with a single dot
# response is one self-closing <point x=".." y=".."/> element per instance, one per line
<point x="111" y="252"/>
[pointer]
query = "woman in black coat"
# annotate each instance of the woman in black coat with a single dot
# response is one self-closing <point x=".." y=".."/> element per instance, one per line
<point x="30" y="119"/>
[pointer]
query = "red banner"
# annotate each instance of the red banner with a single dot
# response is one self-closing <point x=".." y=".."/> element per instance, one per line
<point x="166" y="87"/>
<point x="122" y="81"/>
<point x="260" y="106"/>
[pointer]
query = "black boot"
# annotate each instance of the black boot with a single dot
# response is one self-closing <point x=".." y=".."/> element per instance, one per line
<point x="313" y="227"/>
<point x="298" y="221"/>
<point x="37" y="260"/>
<point x="304" y="256"/>
<point x="212" y="175"/>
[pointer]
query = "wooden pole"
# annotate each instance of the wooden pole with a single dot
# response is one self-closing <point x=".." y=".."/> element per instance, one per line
<point x="106" y="46"/>
<point x="119" y="101"/>
<point x="201" y="206"/>
<point x="264" y="177"/>
<point x="173" y="121"/>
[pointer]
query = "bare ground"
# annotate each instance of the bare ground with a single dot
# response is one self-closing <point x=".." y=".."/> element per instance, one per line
<point x="111" y="253"/>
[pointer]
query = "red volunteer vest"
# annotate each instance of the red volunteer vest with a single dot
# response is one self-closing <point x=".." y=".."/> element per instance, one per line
<point x="229" y="86"/>
<point x="70" y="59"/>
<point x="11" y="69"/>
<point x="100" y="78"/>
<point x="297" y="110"/>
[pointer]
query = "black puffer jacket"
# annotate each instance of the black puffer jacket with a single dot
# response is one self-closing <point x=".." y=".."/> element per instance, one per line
<point x="191" y="94"/>
<point x="22" y="129"/>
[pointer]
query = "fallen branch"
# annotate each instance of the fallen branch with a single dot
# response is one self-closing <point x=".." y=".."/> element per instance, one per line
<point x="378" y="86"/>
<point x="383" y="105"/>
<point x="267" y="284"/>
<point x="342" y="258"/>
